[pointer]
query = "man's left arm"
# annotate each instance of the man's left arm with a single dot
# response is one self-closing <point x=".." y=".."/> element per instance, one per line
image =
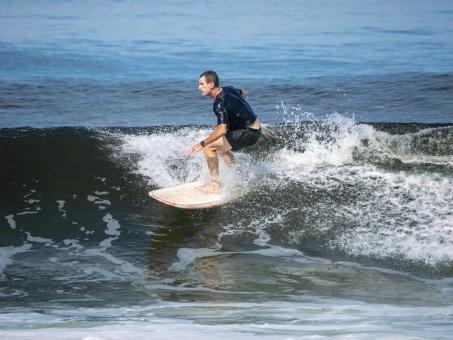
<point x="242" y="92"/>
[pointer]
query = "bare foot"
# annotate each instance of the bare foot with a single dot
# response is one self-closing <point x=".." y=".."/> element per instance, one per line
<point x="212" y="188"/>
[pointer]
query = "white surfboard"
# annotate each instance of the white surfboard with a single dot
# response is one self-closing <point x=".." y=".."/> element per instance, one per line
<point x="187" y="196"/>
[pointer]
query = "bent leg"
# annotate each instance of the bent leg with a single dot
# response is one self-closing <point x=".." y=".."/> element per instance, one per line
<point x="210" y="151"/>
<point x="228" y="157"/>
<point x="213" y="166"/>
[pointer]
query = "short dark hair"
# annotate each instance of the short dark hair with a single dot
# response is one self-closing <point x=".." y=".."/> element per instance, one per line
<point x="211" y="76"/>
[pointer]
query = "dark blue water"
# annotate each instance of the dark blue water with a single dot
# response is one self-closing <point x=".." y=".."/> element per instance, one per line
<point x="341" y="226"/>
<point x="135" y="63"/>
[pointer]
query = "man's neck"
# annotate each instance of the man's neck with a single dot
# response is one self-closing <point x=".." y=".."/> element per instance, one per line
<point x="215" y="92"/>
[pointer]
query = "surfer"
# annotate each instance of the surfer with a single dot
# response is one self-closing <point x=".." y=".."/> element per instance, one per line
<point x="237" y="126"/>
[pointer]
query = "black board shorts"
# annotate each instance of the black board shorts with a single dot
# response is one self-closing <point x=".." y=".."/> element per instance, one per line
<point x="243" y="138"/>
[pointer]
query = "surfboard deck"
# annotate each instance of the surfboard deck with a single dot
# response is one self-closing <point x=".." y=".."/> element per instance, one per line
<point x="187" y="196"/>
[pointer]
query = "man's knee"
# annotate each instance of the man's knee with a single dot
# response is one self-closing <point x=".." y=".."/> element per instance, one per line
<point x="210" y="151"/>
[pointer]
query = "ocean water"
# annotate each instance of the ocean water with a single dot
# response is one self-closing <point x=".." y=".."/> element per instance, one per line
<point x="341" y="222"/>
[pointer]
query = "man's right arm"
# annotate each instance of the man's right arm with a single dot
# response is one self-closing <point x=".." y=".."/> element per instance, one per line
<point x="220" y="131"/>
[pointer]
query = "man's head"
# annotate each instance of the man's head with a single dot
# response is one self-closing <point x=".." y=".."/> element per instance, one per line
<point x="211" y="77"/>
<point x="208" y="82"/>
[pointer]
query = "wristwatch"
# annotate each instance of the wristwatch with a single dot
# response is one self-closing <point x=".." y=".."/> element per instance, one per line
<point x="202" y="144"/>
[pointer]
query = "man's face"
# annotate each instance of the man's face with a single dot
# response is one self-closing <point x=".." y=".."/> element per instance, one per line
<point x="204" y="87"/>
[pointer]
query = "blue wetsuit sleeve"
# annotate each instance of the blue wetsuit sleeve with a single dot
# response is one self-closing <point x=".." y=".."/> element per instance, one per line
<point x="221" y="113"/>
<point x="220" y="106"/>
<point x="231" y="109"/>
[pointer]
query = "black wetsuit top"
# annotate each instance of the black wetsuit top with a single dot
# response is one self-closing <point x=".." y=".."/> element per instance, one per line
<point x="231" y="109"/>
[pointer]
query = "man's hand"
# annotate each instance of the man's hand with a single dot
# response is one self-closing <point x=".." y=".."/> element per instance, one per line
<point x="193" y="149"/>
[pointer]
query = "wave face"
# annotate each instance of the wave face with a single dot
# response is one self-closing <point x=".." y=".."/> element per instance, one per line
<point x="377" y="194"/>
